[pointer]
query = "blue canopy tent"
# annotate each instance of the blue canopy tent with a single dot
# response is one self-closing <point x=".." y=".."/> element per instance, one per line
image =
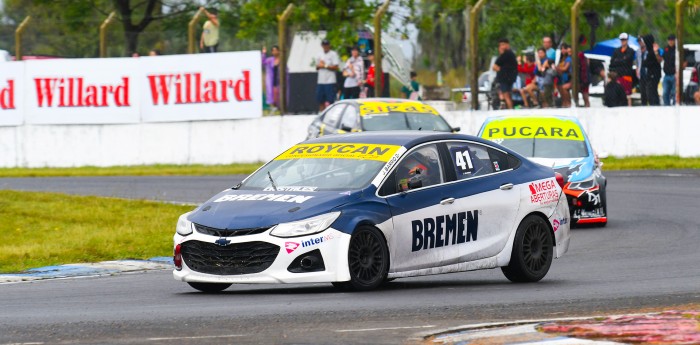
<point x="607" y="47"/>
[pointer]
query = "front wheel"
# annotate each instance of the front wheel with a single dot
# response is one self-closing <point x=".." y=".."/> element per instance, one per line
<point x="368" y="260"/>
<point x="210" y="287"/>
<point x="532" y="251"/>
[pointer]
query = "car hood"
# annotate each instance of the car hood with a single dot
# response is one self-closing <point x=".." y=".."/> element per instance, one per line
<point x="245" y="209"/>
<point x="573" y="169"/>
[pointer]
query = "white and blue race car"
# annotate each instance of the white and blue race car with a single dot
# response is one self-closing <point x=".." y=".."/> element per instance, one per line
<point x="359" y="210"/>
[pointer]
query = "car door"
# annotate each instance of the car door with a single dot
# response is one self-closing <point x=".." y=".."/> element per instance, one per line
<point x="486" y="190"/>
<point x="331" y="119"/>
<point x="425" y="218"/>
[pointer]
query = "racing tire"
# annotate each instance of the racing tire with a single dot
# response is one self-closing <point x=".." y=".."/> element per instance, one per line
<point x="368" y="260"/>
<point x="604" y="201"/>
<point x="533" y="250"/>
<point x="210" y="287"/>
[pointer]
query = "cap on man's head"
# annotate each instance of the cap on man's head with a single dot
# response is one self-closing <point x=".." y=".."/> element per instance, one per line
<point x="671" y="37"/>
<point x="325" y="42"/>
<point x="624" y="36"/>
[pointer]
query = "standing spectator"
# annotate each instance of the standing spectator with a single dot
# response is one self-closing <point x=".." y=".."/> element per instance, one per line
<point x="669" y="82"/>
<point x="547" y="44"/>
<point x="641" y="70"/>
<point x="272" y="76"/>
<point x="548" y="84"/>
<point x="584" y="73"/>
<point x="370" y="74"/>
<point x="621" y="63"/>
<point x="652" y="66"/>
<point x="412" y="92"/>
<point x="614" y="94"/>
<point x="353" y="72"/>
<point x="528" y="68"/>
<point x="154" y="52"/>
<point x="564" y="71"/>
<point x="326" y="65"/>
<point x="540" y="62"/>
<point x="135" y="54"/>
<point x="209" y="42"/>
<point x="506" y="67"/>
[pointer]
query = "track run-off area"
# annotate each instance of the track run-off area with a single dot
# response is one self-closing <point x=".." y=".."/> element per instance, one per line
<point x="646" y="259"/>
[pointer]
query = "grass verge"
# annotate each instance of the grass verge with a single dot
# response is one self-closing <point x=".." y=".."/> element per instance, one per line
<point x="137" y="170"/>
<point x="650" y="163"/>
<point x="41" y="229"/>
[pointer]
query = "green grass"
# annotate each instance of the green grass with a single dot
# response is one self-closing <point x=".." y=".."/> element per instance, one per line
<point x="650" y="163"/>
<point x="137" y="170"/>
<point x="41" y="229"/>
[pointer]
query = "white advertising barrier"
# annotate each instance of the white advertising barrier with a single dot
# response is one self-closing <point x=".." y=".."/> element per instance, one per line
<point x="81" y="91"/>
<point x="201" y="87"/>
<point x="131" y="90"/>
<point x="11" y="105"/>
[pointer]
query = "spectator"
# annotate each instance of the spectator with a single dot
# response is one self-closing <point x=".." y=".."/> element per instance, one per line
<point x="353" y="72"/>
<point x="528" y="68"/>
<point x="517" y="97"/>
<point x="412" y="92"/>
<point x="614" y="94"/>
<point x="549" y="74"/>
<point x="506" y="67"/>
<point x="540" y="62"/>
<point x="326" y="65"/>
<point x="669" y="82"/>
<point x="621" y="63"/>
<point x="547" y="44"/>
<point x="135" y="54"/>
<point x="652" y="67"/>
<point x="564" y="72"/>
<point x="584" y="73"/>
<point x="154" y="52"/>
<point x="209" y="42"/>
<point x="641" y="70"/>
<point x="370" y="74"/>
<point x="272" y="76"/>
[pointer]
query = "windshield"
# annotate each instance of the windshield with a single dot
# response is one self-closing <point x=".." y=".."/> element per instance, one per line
<point x="404" y="120"/>
<point x="546" y="148"/>
<point x="314" y="174"/>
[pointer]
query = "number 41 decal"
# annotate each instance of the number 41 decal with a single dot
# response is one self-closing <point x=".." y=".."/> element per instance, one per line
<point x="464" y="160"/>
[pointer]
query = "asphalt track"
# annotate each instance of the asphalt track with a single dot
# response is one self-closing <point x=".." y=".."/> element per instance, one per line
<point x="646" y="258"/>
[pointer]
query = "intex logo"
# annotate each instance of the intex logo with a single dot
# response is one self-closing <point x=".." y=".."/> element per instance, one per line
<point x="7" y="95"/>
<point x="291" y="246"/>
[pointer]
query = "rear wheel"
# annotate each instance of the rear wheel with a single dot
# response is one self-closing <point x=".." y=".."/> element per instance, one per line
<point x="210" y="287"/>
<point x="368" y="260"/>
<point x="532" y="251"/>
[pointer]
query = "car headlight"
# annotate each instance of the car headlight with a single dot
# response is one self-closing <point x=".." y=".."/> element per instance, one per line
<point x="306" y="226"/>
<point x="184" y="226"/>
<point x="584" y="185"/>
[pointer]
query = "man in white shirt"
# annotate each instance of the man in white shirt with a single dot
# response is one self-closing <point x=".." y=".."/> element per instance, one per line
<point x="354" y="71"/>
<point x="326" y="65"/>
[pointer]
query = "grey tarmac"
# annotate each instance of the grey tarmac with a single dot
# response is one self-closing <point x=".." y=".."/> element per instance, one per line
<point x="645" y="258"/>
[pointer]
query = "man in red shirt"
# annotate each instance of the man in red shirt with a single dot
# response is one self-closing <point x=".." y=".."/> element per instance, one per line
<point x="371" y="79"/>
<point x="528" y="68"/>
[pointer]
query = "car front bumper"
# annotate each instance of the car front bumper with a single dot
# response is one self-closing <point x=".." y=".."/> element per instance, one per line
<point x="214" y="263"/>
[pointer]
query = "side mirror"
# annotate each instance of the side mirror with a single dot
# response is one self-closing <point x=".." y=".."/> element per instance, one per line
<point x="346" y="128"/>
<point x="456" y="129"/>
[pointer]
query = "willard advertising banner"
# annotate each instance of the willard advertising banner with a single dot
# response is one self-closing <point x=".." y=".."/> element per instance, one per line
<point x="130" y="90"/>
<point x="11" y="110"/>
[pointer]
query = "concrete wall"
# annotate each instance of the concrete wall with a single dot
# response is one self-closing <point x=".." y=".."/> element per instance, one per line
<point x="618" y="132"/>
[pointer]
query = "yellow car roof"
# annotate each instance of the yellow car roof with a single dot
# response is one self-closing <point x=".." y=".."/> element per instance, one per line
<point x="377" y="106"/>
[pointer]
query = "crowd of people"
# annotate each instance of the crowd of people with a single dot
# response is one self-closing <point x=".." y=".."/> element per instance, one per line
<point x="548" y="80"/>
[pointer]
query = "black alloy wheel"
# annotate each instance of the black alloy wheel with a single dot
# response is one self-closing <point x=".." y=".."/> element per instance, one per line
<point x="368" y="260"/>
<point x="604" y="205"/>
<point x="533" y="251"/>
<point x="210" y="287"/>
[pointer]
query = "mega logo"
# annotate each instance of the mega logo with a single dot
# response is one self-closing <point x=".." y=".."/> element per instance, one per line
<point x="74" y="92"/>
<point x="7" y="95"/>
<point x="444" y="230"/>
<point x="534" y="132"/>
<point x="191" y="88"/>
<point x="543" y="192"/>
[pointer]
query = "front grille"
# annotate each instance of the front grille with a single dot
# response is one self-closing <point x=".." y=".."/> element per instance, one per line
<point x="236" y="258"/>
<point x="228" y="232"/>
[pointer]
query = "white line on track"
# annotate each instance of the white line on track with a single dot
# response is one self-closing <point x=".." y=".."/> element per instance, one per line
<point x="23" y="344"/>
<point x="200" y="337"/>
<point x="381" y="329"/>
